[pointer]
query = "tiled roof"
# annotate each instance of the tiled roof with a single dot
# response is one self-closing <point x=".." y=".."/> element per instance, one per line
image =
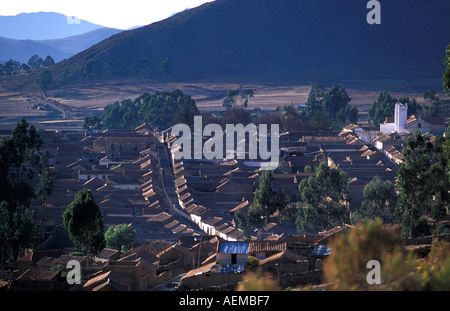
<point x="291" y="256"/>
<point x="267" y="246"/>
<point x="200" y="270"/>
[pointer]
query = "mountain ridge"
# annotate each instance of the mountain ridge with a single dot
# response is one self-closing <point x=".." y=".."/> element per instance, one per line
<point x="43" y="26"/>
<point x="286" y="41"/>
<point x="58" y="49"/>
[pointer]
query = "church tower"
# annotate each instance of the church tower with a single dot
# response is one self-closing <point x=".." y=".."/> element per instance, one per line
<point x="400" y="117"/>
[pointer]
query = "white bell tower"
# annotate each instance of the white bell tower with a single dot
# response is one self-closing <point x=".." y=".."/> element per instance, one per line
<point x="400" y="117"/>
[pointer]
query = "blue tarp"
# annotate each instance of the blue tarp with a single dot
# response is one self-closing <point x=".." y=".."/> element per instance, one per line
<point x="232" y="268"/>
<point x="234" y="247"/>
<point x="322" y="250"/>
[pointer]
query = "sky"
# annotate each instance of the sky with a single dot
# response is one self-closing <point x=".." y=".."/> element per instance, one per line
<point x="109" y="13"/>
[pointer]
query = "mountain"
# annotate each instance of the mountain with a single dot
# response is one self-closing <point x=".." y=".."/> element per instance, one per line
<point x="58" y="49"/>
<point x="285" y="41"/>
<point x="43" y="26"/>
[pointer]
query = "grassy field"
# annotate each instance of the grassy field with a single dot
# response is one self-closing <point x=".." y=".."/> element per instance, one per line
<point x="68" y="106"/>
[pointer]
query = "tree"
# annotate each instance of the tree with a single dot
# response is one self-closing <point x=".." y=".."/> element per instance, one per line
<point x="381" y="108"/>
<point x="324" y="197"/>
<point x="236" y="115"/>
<point x="4" y="230"/>
<point x="84" y="223"/>
<point x="25" y="231"/>
<point x="35" y="62"/>
<point x="265" y="202"/>
<point x="20" y="160"/>
<point x="120" y="237"/>
<point x="423" y="183"/>
<point x="164" y="67"/>
<point x="44" y="189"/>
<point x="92" y="123"/>
<point x="314" y="102"/>
<point x="232" y="98"/>
<point x="436" y="107"/>
<point x="48" y="61"/>
<point x="186" y="111"/>
<point x="346" y="268"/>
<point x="44" y="80"/>
<point x="229" y="99"/>
<point x="446" y="75"/>
<point x="336" y="99"/>
<point x="380" y="198"/>
<point x="141" y="68"/>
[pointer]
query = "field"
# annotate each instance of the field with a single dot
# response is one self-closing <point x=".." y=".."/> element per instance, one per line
<point x="67" y="107"/>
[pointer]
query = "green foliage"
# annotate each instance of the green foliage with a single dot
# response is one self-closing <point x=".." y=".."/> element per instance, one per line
<point x="232" y="98"/>
<point x="265" y="202"/>
<point x="48" y="61"/>
<point x="165" y="67"/>
<point x="84" y="223"/>
<point x="252" y="261"/>
<point x="25" y="230"/>
<point x="45" y="186"/>
<point x="114" y="68"/>
<point x="330" y="107"/>
<point x="446" y="75"/>
<point x="436" y="107"/>
<point x="141" y="68"/>
<point x="346" y="268"/>
<point x="325" y="196"/>
<point x="353" y="249"/>
<point x="160" y="110"/>
<point x="44" y="79"/>
<point x="120" y="237"/>
<point x="20" y="163"/>
<point x="92" y="123"/>
<point x="380" y="198"/>
<point x="236" y="115"/>
<point x="384" y="107"/>
<point x="423" y="183"/>
<point x="4" y="229"/>
<point x="35" y="62"/>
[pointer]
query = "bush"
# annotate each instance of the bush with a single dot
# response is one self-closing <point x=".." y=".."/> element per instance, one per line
<point x="253" y="261"/>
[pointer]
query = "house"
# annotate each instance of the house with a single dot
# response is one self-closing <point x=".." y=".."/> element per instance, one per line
<point x="209" y="275"/>
<point x="232" y="253"/>
<point x="285" y="262"/>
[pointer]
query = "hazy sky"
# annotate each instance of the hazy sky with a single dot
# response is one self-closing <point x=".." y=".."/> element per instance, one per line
<point x="110" y="13"/>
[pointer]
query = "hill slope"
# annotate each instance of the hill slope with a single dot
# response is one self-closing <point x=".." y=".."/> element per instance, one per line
<point x="286" y="41"/>
<point x="42" y="26"/>
<point x="58" y="49"/>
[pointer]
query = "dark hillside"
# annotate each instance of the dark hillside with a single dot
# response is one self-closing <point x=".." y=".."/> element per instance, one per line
<point x="284" y="41"/>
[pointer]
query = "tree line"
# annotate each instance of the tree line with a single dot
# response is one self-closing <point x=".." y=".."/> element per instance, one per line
<point x="14" y="67"/>
<point x="161" y="110"/>
<point x="24" y="176"/>
<point x="118" y="67"/>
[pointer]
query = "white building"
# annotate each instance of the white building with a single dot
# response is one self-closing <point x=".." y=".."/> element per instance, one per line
<point x="402" y="124"/>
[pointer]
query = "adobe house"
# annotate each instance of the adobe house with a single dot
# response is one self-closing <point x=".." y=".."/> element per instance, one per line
<point x="232" y="253"/>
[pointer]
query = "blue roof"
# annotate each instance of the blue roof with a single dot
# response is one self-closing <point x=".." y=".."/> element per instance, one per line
<point x="322" y="250"/>
<point x="234" y="247"/>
